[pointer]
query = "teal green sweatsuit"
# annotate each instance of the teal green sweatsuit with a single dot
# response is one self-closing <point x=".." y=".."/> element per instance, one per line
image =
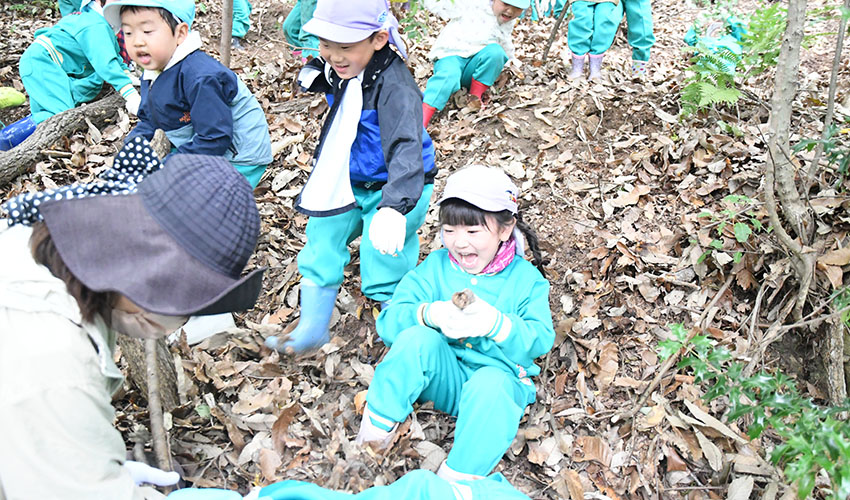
<point x="484" y="383"/>
<point x="67" y="64"/>
<point x="68" y="6"/>
<point x="415" y="485"/>
<point x="593" y="26"/>
<point x="453" y="72"/>
<point x="292" y="27"/>
<point x="241" y="18"/>
<point x="639" y="20"/>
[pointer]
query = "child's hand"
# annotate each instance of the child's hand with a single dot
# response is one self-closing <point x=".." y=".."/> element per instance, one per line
<point x="133" y="102"/>
<point x="480" y="319"/>
<point x="441" y="315"/>
<point x="387" y="231"/>
<point x="143" y="473"/>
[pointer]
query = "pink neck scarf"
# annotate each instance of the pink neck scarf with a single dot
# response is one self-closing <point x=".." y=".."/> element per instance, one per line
<point x="504" y="256"/>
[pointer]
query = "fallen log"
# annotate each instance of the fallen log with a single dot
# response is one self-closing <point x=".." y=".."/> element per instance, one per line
<point x="21" y="158"/>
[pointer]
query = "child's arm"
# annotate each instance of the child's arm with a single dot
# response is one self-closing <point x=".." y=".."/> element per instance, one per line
<point x="410" y="293"/>
<point x="144" y="127"/>
<point x="400" y="122"/>
<point x="100" y="46"/>
<point x="212" y="119"/>
<point x="531" y="334"/>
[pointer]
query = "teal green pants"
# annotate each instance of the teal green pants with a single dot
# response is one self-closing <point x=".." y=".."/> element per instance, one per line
<point x="252" y="172"/>
<point x="241" y="18"/>
<point x="50" y="90"/>
<point x="593" y="26"/>
<point x="68" y="6"/>
<point x="488" y="401"/>
<point x="297" y="18"/>
<point x="639" y="20"/>
<point x="415" y="485"/>
<point x="324" y="257"/>
<point x="453" y="72"/>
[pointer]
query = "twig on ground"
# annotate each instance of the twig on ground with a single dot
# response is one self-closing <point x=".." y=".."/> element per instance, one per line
<point x="160" y="442"/>
<point x="554" y="32"/>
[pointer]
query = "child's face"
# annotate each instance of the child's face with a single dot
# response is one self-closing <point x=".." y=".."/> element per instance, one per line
<point x="505" y="12"/>
<point x="149" y="39"/>
<point x="349" y="59"/>
<point x="475" y="246"/>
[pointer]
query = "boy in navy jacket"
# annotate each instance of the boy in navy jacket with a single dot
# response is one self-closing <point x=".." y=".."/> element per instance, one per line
<point x="374" y="169"/>
<point x="203" y="107"/>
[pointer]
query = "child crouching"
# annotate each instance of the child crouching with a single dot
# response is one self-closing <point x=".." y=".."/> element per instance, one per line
<point x="474" y="361"/>
<point x="471" y="50"/>
<point x="203" y="107"/>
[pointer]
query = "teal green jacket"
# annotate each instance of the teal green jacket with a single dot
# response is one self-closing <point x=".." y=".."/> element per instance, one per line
<point x="86" y="48"/>
<point x="519" y="291"/>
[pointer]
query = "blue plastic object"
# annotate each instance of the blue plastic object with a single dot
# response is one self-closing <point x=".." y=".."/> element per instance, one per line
<point x="15" y="133"/>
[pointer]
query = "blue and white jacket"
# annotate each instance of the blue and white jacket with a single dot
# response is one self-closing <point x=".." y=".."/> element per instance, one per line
<point x="392" y="151"/>
<point x="204" y="108"/>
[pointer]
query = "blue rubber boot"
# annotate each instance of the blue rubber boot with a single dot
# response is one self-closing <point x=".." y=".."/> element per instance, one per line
<point x="317" y="305"/>
<point x="15" y="133"/>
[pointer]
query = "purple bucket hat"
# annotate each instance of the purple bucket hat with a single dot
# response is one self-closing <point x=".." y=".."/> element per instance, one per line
<point x="351" y="21"/>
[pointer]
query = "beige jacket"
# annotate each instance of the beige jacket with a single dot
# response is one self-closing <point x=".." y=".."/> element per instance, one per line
<point x="57" y="376"/>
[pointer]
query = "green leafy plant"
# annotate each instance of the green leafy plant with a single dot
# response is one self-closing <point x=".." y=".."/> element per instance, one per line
<point x="813" y="437"/>
<point x="744" y="222"/>
<point x="836" y="150"/>
<point x="712" y="80"/>
<point x="761" y="42"/>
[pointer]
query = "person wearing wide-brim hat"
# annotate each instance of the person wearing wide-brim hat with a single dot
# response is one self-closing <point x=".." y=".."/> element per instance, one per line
<point x="99" y="259"/>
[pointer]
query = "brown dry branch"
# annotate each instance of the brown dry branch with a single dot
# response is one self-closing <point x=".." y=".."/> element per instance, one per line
<point x="160" y="440"/>
<point x="21" y="158"/>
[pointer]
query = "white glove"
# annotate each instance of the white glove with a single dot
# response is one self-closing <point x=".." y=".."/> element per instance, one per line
<point x="442" y="315"/>
<point x="133" y="102"/>
<point x="480" y="319"/>
<point x="144" y="473"/>
<point x="387" y="231"/>
<point x="133" y="78"/>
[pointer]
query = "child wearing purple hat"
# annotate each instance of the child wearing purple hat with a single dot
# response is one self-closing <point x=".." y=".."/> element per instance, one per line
<point x="471" y="50"/>
<point x="374" y="165"/>
<point x="473" y="360"/>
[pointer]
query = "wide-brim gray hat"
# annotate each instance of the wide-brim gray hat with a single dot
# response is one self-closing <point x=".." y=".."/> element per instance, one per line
<point x="177" y="246"/>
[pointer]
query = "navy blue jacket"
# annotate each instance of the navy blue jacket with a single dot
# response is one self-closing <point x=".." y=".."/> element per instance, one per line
<point x="392" y="150"/>
<point x="204" y="108"/>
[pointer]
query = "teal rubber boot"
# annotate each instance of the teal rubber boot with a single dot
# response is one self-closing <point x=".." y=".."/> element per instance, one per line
<point x="317" y="305"/>
<point x="15" y="133"/>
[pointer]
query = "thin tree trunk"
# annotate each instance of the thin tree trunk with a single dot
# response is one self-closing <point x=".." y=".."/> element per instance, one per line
<point x="133" y="351"/>
<point x="226" y="32"/>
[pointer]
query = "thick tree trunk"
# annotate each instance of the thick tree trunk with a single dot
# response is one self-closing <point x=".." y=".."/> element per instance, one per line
<point x="21" y="158"/>
<point x="133" y="351"/>
<point x="780" y="172"/>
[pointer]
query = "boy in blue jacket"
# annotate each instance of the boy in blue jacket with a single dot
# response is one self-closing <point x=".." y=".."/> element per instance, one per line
<point x="66" y="66"/>
<point x="374" y="169"/>
<point x="203" y="107"/>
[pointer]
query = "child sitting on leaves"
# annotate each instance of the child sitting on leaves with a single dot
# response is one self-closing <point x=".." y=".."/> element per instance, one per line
<point x="374" y="165"/>
<point x="474" y="361"/>
<point x="67" y="65"/>
<point x="591" y="33"/>
<point x="202" y="106"/>
<point x="471" y="50"/>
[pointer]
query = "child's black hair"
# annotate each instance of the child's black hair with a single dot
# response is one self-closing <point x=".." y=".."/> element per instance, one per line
<point x="457" y="212"/>
<point x="168" y="17"/>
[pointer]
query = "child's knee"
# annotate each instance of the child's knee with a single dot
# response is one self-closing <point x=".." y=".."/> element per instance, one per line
<point x="494" y="52"/>
<point x="419" y="338"/>
<point x="492" y="384"/>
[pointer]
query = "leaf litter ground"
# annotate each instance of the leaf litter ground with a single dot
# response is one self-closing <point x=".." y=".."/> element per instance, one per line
<point x="614" y="185"/>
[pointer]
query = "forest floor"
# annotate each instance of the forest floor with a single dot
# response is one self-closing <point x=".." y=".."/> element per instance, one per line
<point x="616" y="186"/>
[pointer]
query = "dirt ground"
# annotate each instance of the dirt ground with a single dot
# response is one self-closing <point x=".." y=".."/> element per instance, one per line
<point x="613" y="183"/>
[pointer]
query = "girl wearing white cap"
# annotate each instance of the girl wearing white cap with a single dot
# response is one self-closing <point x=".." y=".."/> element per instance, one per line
<point x="471" y="50"/>
<point x="475" y="360"/>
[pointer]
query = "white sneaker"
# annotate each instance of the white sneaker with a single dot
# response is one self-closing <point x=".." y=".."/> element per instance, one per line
<point x="371" y="433"/>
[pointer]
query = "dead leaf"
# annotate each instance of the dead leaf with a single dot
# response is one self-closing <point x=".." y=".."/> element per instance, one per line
<point x="631" y="197"/>
<point x="709" y="421"/>
<point x="710" y="450"/>
<point x="360" y="401"/>
<point x="574" y="485"/>
<point x="840" y="257"/>
<point x="269" y="462"/>
<point x="281" y="425"/>
<point x="607" y="365"/>
<point x="740" y="488"/>
<point x="592" y="448"/>
<point x="834" y="274"/>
